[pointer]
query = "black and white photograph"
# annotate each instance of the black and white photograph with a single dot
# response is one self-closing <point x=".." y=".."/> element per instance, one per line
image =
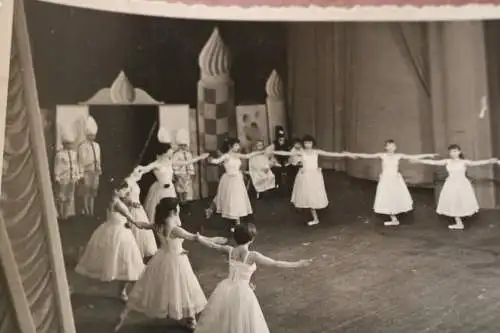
<point x="249" y="166"/>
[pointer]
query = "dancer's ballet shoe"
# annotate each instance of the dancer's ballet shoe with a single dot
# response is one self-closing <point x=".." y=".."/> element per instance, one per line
<point x="391" y="223"/>
<point x="313" y="222"/>
<point x="124" y="297"/>
<point x="456" y="227"/>
<point x="208" y="213"/>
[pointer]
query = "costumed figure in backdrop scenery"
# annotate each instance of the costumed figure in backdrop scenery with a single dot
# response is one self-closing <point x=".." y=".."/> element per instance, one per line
<point x="231" y="200"/>
<point x="89" y="159"/>
<point x="233" y="306"/>
<point x="67" y="174"/>
<point x="309" y="187"/>
<point x="112" y="253"/>
<point x="163" y="169"/>
<point x="183" y="173"/>
<point x="168" y="287"/>
<point x="392" y="196"/>
<point x="259" y="168"/>
<point x="457" y="198"/>
<point x="145" y="238"/>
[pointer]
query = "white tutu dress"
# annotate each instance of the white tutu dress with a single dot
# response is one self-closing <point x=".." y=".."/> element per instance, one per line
<point x="168" y="288"/>
<point x="233" y="306"/>
<point x="457" y="197"/>
<point x="392" y="196"/>
<point x="112" y="252"/>
<point x="232" y="200"/>
<point x="145" y="238"/>
<point x="309" y="186"/>
<point x="162" y="188"/>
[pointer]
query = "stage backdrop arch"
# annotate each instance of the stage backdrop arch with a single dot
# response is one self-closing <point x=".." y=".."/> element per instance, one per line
<point x="128" y="120"/>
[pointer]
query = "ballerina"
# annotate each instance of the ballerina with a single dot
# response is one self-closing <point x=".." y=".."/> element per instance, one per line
<point x="168" y="287"/>
<point x="457" y="198"/>
<point x="309" y="187"/>
<point x="145" y="238"/>
<point x="163" y="169"/>
<point x="392" y="196"/>
<point x="231" y="200"/>
<point x="233" y="306"/>
<point x="112" y="252"/>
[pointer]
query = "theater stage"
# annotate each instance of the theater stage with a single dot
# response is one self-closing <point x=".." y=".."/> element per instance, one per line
<point x="366" y="278"/>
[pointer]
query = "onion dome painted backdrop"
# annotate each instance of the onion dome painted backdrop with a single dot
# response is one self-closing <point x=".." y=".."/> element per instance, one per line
<point x="214" y="59"/>
<point x="274" y="86"/>
<point x="122" y="91"/>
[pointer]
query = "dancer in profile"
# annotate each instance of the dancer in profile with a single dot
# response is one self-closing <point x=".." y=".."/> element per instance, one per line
<point x="231" y="200"/>
<point x="112" y="253"/>
<point x="392" y="196"/>
<point x="164" y="172"/>
<point x="168" y="287"/>
<point x="457" y="198"/>
<point x="233" y="306"/>
<point x="309" y="187"/>
<point x="145" y="238"/>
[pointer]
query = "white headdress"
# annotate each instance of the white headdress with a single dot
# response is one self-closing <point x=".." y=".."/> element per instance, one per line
<point x="164" y="135"/>
<point x="66" y="135"/>
<point x="91" y="126"/>
<point x="182" y="137"/>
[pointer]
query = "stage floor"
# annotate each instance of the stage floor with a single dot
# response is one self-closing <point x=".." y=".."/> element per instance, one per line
<point x="366" y="278"/>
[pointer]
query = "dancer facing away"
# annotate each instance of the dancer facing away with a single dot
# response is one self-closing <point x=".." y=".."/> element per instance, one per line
<point x="309" y="187"/>
<point x="184" y="173"/>
<point x="231" y="200"/>
<point x="168" y="287"/>
<point x="67" y="174"/>
<point x="457" y="198"/>
<point x="233" y="306"/>
<point x="163" y="170"/>
<point x="259" y="168"/>
<point x="392" y="196"/>
<point x="112" y="253"/>
<point x="89" y="159"/>
<point x="145" y="238"/>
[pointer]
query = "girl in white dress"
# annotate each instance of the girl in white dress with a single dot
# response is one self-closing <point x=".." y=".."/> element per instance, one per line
<point x="168" y="287"/>
<point x="457" y="198"/>
<point x="112" y="252"/>
<point x="309" y="187"/>
<point x="392" y="196"/>
<point x="233" y="306"/>
<point x="231" y="200"/>
<point x="145" y="238"/>
<point x="164" y="172"/>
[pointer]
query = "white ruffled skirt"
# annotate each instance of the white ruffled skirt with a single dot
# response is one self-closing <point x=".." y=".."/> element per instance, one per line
<point x="156" y="192"/>
<point x="309" y="190"/>
<point x="145" y="238"/>
<point x="457" y="198"/>
<point x="232" y="199"/>
<point x="392" y="196"/>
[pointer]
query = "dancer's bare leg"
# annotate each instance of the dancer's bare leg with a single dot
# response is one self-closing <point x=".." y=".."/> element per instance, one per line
<point x="121" y="320"/>
<point x="459" y="224"/>
<point x="315" y="219"/>
<point x="124" y="292"/>
<point x="211" y="209"/>
<point x="393" y="222"/>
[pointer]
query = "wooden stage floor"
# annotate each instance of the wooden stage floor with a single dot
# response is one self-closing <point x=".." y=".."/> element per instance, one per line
<point x="366" y="278"/>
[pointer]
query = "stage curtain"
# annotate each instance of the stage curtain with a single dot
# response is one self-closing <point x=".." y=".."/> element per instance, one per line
<point x="354" y="85"/>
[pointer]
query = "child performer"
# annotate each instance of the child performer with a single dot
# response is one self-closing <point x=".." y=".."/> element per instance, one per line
<point x="392" y="196"/>
<point x="233" y="307"/>
<point x="184" y="173"/>
<point x="168" y="288"/>
<point x="112" y="252"/>
<point x="66" y="175"/>
<point x="231" y="200"/>
<point x="89" y="159"/>
<point x="309" y="186"/>
<point x="145" y="238"/>
<point x="457" y="198"/>
<point x="163" y="170"/>
<point x="259" y="167"/>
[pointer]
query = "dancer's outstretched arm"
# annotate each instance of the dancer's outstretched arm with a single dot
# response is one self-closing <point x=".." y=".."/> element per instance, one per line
<point x="121" y="208"/>
<point x="180" y="232"/>
<point x="208" y="242"/>
<point x="362" y="155"/>
<point x="287" y="153"/>
<point x="334" y="154"/>
<point x="218" y="160"/>
<point x="418" y="156"/>
<point x="261" y="259"/>
<point x="191" y="161"/>
<point x="150" y="167"/>
<point x="482" y="162"/>
<point x="428" y="162"/>
<point x="252" y="154"/>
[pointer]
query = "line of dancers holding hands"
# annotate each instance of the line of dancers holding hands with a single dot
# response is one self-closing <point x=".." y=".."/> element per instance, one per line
<point x="167" y="287"/>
